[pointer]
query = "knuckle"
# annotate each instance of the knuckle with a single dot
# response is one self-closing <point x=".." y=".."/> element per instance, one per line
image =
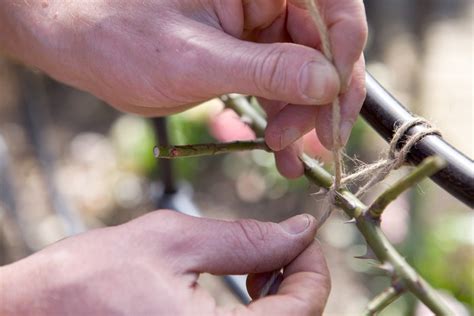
<point x="270" y="75"/>
<point x="360" y="90"/>
<point x="249" y="238"/>
<point x="361" y="34"/>
<point x="167" y="231"/>
<point x="156" y="224"/>
<point x="253" y="233"/>
<point x="357" y="20"/>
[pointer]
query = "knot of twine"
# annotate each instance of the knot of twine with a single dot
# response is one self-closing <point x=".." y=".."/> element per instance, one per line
<point x="393" y="158"/>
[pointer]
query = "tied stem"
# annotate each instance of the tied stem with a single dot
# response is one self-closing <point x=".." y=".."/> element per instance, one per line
<point x="370" y="230"/>
<point x="170" y="152"/>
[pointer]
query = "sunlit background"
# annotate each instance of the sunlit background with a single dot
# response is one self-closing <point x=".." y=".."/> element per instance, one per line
<point x="70" y="163"/>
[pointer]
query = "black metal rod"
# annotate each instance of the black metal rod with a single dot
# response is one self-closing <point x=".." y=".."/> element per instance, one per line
<point x="166" y="166"/>
<point x="384" y="113"/>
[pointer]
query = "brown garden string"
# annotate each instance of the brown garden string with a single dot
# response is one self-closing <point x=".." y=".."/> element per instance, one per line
<point x="393" y="159"/>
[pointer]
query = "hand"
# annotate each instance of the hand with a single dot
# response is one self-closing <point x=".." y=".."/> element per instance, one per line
<point x="157" y="57"/>
<point x="150" y="266"/>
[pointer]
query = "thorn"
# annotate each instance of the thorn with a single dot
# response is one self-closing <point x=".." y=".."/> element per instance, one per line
<point x="246" y="120"/>
<point x="386" y="267"/>
<point x="156" y="152"/>
<point x="351" y="221"/>
<point x="320" y="192"/>
<point x="338" y="194"/>
<point x="368" y="255"/>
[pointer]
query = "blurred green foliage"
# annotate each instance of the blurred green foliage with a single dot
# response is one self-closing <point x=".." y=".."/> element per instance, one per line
<point x="447" y="256"/>
<point x="184" y="129"/>
<point x="134" y="139"/>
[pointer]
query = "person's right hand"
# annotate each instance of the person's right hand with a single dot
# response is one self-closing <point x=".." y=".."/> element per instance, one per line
<point x="158" y="57"/>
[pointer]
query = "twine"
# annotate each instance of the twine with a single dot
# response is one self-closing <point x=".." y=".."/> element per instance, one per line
<point x="393" y="158"/>
<point x="336" y="112"/>
<point x="379" y="170"/>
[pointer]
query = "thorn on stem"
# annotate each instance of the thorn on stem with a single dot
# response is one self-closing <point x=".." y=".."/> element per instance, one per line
<point x="369" y="254"/>
<point x="386" y="267"/>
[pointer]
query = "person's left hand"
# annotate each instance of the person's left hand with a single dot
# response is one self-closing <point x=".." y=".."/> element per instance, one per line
<point x="151" y="265"/>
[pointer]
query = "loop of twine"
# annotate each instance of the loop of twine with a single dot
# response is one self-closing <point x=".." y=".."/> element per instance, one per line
<point x="393" y="158"/>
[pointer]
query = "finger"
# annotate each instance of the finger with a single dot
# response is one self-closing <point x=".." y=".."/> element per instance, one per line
<point x="271" y="107"/>
<point x="259" y="14"/>
<point x="273" y="33"/>
<point x="314" y="148"/>
<point x="289" y="125"/>
<point x="300" y="25"/>
<point x="257" y="282"/>
<point x="288" y="162"/>
<point x="351" y="103"/>
<point x="227" y="127"/>
<point x="224" y="247"/>
<point x="278" y="71"/>
<point x="304" y="290"/>
<point x="237" y="17"/>
<point x="347" y="31"/>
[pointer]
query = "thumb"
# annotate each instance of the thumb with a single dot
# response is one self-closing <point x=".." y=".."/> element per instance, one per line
<point x="285" y="72"/>
<point x="278" y="71"/>
<point x="242" y="246"/>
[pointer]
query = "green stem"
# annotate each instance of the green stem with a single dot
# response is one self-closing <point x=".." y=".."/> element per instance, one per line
<point x="382" y="300"/>
<point x="428" y="167"/>
<point x="371" y="232"/>
<point x="241" y="106"/>
<point x="170" y="152"/>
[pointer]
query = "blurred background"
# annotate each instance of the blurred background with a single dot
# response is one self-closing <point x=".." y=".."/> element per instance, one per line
<point x="69" y="163"/>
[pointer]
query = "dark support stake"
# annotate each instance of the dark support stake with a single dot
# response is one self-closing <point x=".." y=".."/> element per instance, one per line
<point x="383" y="112"/>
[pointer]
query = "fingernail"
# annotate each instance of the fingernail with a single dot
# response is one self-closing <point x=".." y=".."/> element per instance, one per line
<point x="345" y="131"/>
<point x="290" y="135"/>
<point x="296" y="224"/>
<point x="317" y="81"/>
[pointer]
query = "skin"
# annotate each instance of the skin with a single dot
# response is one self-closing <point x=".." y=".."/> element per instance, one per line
<point x="158" y="57"/>
<point x="150" y="266"/>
